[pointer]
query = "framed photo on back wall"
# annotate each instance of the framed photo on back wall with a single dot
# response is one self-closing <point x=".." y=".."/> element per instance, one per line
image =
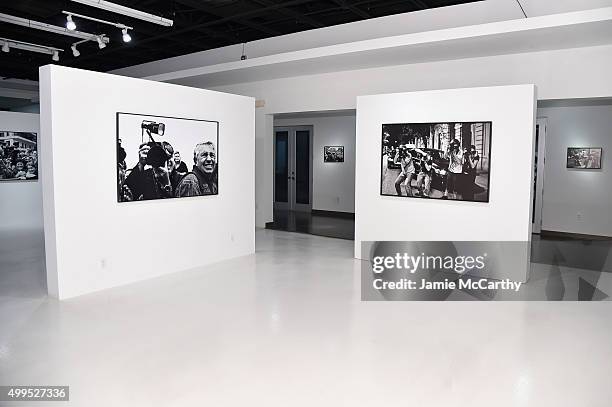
<point x="333" y="154"/>
<point x="585" y="158"/>
<point x="18" y="156"/>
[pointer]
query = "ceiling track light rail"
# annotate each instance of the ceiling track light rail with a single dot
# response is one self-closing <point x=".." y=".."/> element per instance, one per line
<point x="124" y="28"/>
<point x="24" y="22"/>
<point x="126" y="11"/>
<point x="7" y="44"/>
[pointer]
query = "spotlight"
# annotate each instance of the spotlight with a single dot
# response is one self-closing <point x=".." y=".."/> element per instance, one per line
<point x="55" y="56"/>
<point x="70" y="23"/>
<point x="5" y="47"/>
<point x="126" y="36"/>
<point x="75" y="51"/>
<point x="101" y="43"/>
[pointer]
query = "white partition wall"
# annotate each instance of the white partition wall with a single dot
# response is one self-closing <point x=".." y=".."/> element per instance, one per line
<point x="20" y="201"/>
<point x="507" y="215"/>
<point x="92" y="241"/>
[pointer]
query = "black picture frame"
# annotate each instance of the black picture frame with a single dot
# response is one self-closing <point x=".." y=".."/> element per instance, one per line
<point x="332" y="156"/>
<point x="579" y="158"/>
<point x="118" y="141"/>
<point x="483" y="194"/>
<point x="8" y="152"/>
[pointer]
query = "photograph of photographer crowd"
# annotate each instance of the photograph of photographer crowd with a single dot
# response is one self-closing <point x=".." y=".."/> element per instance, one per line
<point x="162" y="157"/>
<point x="584" y="158"/>
<point x="18" y="156"/>
<point x="436" y="160"/>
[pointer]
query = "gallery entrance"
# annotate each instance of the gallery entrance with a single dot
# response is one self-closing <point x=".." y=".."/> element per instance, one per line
<point x="293" y="168"/>
<point x="312" y="193"/>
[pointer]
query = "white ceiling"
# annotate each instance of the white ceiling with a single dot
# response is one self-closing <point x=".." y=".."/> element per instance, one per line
<point x="487" y="11"/>
<point x="567" y="30"/>
<point x="543" y="7"/>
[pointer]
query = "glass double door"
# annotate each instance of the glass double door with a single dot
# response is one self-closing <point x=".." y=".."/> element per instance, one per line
<point x="293" y="168"/>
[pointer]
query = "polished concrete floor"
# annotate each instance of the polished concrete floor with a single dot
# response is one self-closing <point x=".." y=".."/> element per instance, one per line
<point x="320" y="225"/>
<point x="286" y="327"/>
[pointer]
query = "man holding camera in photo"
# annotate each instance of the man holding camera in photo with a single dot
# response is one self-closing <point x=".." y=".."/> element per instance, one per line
<point x="404" y="159"/>
<point x="470" y="164"/>
<point x="455" y="169"/>
<point x="149" y="179"/>
<point x="425" y="174"/>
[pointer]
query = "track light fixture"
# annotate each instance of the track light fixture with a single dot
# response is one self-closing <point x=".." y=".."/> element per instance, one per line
<point x="101" y="43"/>
<point x="126" y="36"/>
<point x="7" y="44"/>
<point x="75" y="51"/>
<point x="56" y="29"/>
<point x="124" y="28"/>
<point x="70" y="24"/>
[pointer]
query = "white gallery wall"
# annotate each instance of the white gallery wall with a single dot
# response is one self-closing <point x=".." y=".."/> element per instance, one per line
<point x="507" y="215"/>
<point x="21" y="201"/>
<point x="333" y="184"/>
<point x="487" y="43"/>
<point x="92" y="241"/>
<point x="577" y="201"/>
<point x="558" y="74"/>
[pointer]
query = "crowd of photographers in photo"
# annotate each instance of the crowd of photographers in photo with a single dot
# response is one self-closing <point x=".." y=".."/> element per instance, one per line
<point x="160" y="172"/>
<point x="456" y="171"/>
<point x="18" y="163"/>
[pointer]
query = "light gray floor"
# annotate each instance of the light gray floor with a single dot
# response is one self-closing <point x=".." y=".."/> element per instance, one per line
<point x="285" y="327"/>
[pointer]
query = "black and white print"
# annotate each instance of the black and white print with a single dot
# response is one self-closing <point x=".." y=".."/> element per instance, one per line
<point x="166" y="157"/>
<point x="333" y="154"/>
<point x="447" y="160"/>
<point x="18" y="156"/>
<point x="584" y="158"/>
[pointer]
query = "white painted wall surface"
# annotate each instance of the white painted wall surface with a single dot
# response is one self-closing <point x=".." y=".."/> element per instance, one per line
<point x="333" y="184"/>
<point x="507" y="215"/>
<point x="577" y="201"/>
<point x="92" y="241"/>
<point x="558" y="74"/>
<point x="21" y="201"/>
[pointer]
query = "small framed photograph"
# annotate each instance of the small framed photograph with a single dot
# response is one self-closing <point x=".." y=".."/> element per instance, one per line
<point x="18" y="156"/>
<point x="333" y="154"/>
<point x="584" y="158"/>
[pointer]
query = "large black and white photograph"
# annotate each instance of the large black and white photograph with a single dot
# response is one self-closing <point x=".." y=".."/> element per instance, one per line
<point x="436" y="160"/>
<point x="333" y="154"/>
<point x="165" y="157"/>
<point x="584" y="158"/>
<point x="18" y="156"/>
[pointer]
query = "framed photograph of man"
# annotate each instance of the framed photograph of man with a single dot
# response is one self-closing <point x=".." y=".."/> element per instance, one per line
<point x="444" y="160"/>
<point x="161" y="157"/>
<point x="333" y="154"/>
<point x="18" y="156"/>
<point x="585" y="158"/>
